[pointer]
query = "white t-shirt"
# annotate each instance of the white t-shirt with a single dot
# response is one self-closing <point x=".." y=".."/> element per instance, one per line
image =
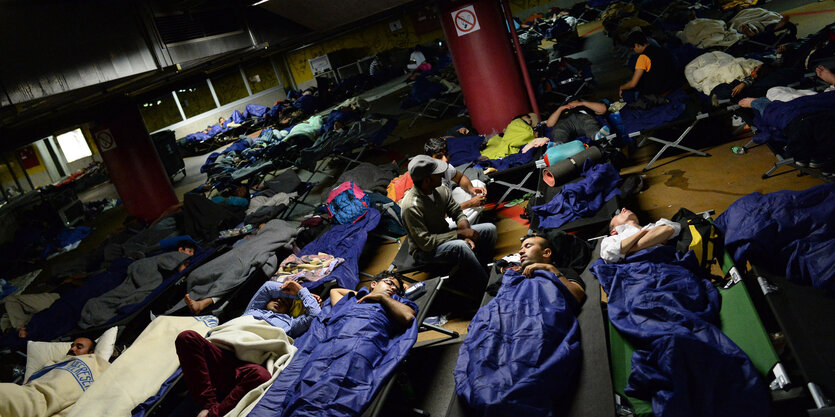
<point x="610" y="247"/>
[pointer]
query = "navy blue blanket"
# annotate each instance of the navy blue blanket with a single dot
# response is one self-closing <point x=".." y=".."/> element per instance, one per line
<point x="772" y="123"/>
<point x="636" y="120"/>
<point x="64" y="313"/>
<point x="255" y="110"/>
<point x="342" y="361"/>
<point x="682" y="362"/>
<point x="422" y="91"/>
<point x="791" y="231"/>
<point x="467" y="149"/>
<point x="580" y="199"/>
<point x="522" y="353"/>
<point x="343" y="241"/>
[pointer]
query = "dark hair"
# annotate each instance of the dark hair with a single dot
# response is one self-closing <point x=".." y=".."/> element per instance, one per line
<point x="393" y="275"/>
<point x="636" y="38"/>
<point x="547" y="243"/>
<point x="434" y="146"/>
<point x="92" y="345"/>
<point x="186" y="244"/>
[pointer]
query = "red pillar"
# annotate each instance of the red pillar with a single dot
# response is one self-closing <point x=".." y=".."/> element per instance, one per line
<point x="132" y="161"/>
<point x="490" y="78"/>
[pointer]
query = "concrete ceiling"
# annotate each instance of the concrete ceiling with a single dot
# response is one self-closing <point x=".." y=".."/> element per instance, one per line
<point x="323" y="15"/>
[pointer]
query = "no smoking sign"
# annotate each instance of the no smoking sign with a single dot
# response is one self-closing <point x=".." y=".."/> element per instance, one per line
<point x="105" y="140"/>
<point x="465" y="21"/>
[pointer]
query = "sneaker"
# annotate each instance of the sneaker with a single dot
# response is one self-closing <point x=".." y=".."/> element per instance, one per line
<point x="814" y="163"/>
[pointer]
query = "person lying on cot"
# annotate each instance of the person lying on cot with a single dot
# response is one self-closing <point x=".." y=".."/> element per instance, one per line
<point x="627" y="236"/>
<point x="48" y="392"/>
<point x="788" y="93"/>
<point x="469" y="195"/>
<point x="575" y="119"/>
<point x="424" y="209"/>
<point x="385" y="285"/>
<point x="654" y="76"/>
<point x="535" y="255"/>
<point x="215" y="377"/>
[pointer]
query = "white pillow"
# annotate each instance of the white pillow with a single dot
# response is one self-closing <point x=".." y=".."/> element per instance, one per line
<point x="40" y="354"/>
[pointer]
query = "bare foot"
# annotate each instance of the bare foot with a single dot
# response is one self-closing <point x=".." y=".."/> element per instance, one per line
<point x="197" y="306"/>
<point x="203" y="413"/>
<point x="746" y="102"/>
<point x="825" y="74"/>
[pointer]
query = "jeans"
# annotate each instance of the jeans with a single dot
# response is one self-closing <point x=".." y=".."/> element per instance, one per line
<point x="471" y="262"/>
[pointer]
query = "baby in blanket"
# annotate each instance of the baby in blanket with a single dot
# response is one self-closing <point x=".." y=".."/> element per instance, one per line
<point x="54" y="388"/>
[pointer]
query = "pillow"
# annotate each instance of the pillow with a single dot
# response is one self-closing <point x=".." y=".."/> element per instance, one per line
<point x="40" y="354"/>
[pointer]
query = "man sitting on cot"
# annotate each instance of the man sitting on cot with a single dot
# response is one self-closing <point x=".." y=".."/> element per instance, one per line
<point x="654" y="76"/>
<point x="627" y="236"/>
<point x="424" y="209"/>
<point x="467" y="194"/>
<point x="215" y="377"/>
<point x="48" y="392"/>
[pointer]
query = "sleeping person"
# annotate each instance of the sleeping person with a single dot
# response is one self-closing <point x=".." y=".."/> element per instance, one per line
<point x="352" y="350"/>
<point x="523" y="347"/>
<point x="627" y="236"/>
<point x="55" y="387"/>
<point x="575" y="119"/>
<point x="216" y="378"/>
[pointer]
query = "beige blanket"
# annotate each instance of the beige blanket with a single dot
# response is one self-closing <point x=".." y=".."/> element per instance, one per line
<point x="707" y="33"/>
<point x="714" y="68"/>
<point x="139" y="372"/>
<point x="53" y="392"/>
<point x="258" y="342"/>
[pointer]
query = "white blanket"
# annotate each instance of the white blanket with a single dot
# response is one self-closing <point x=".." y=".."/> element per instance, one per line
<point x="258" y="342"/>
<point x="707" y="33"/>
<point x="140" y="370"/>
<point x="53" y="392"/>
<point x="755" y="18"/>
<point x="714" y="68"/>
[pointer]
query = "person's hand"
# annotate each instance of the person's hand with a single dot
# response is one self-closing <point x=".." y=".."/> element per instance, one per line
<point x="738" y="89"/>
<point x="620" y="92"/>
<point x="476" y="201"/>
<point x="782" y="48"/>
<point x="291" y="287"/>
<point x="22" y="333"/>
<point x="468" y="233"/>
<point x="528" y="271"/>
<point x="470" y="243"/>
<point x="479" y="190"/>
<point x="746" y="102"/>
<point x="317" y="298"/>
<point x="373" y="298"/>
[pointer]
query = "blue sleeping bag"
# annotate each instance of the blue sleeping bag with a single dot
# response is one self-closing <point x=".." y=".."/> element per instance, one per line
<point x="660" y="302"/>
<point x="342" y="361"/>
<point x="255" y="110"/>
<point x="580" y="199"/>
<point x="463" y="150"/>
<point x="237" y="117"/>
<point x="522" y="353"/>
<point x="343" y="241"/>
<point x="791" y="231"/>
<point x="777" y="115"/>
<point x="635" y="120"/>
<point x="197" y="137"/>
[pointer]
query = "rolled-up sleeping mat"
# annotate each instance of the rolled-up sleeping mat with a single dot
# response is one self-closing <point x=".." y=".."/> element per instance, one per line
<point x="570" y="166"/>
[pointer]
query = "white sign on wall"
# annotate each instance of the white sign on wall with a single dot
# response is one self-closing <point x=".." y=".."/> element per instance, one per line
<point x="465" y="21"/>
<point x="105" y="140"/>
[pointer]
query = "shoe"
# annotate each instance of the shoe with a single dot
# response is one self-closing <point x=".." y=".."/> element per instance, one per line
<point x="801" y="163"/>
<point x="814" y="163"/>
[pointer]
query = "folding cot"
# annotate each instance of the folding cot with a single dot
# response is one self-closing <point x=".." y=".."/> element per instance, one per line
<point x="739" y="321"/>
<point x="805" y="317"/>
<point x="694" y="111"/>
<point x="517" y="180"/>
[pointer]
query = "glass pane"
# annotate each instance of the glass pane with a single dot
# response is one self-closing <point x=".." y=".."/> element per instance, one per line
<point x="229" y="86"/>
<point x="196" y="99"/>
<point x="160" y="112"/>
<point x="73" y="145"/>
<point x="261" y="75"/>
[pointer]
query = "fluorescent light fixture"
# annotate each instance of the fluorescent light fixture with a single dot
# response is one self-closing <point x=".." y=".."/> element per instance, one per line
<point x="262" y="1"/>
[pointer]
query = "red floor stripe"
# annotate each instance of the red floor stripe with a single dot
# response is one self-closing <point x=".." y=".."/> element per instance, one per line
<point x="593" y="30"/>
<point x="808" y="13"/>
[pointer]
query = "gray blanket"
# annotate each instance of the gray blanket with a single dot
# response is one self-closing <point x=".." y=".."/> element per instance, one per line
<point x="142" y="278"/>
<point x="224" y="273"/>
<point x="146" y="241"/>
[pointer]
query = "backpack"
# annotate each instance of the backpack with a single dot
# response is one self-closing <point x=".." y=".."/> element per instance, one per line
<point x="699" y="235"/>
<point x="347" y="203"/>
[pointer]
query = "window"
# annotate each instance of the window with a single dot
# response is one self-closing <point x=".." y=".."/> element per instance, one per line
<point x="229" y="86"/>
<point x="196" y="98"/>
<point x="160" y="112"/>
<point x="73" y="145"/>
<point x="261" y="75"/>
